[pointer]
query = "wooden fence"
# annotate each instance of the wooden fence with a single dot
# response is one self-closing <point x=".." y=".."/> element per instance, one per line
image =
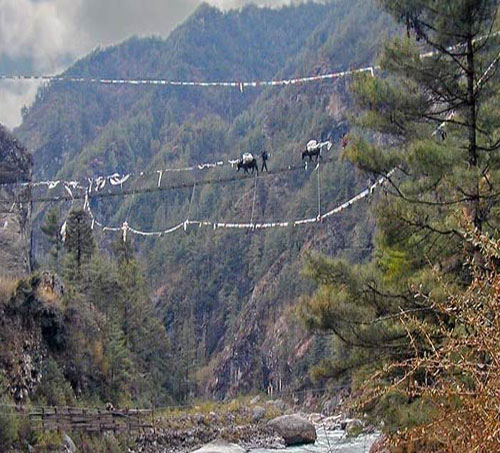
<point x="91" y="420"/>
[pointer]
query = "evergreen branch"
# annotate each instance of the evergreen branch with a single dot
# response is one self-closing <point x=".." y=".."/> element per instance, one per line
<point x="363" y="343"/>
<point x="492" y="148"/>
<point x="403" y="313"/>
<point x="427" y="226"/>
<point x="443" y="50"/>
<point x="486" y="39"/>
<point x="386" y="295"/>
<point x="444" y="92"/>
<point x="455" y="122"/>
<point x="401" y="195"/>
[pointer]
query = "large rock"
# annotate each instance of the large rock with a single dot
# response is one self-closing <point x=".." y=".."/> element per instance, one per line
<point x="354" y="426"/>
<point x="294" y="429"/>
<point x="219" y="446"/>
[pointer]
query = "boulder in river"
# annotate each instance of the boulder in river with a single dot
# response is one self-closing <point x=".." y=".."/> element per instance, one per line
<point x="332" y="423"/>
<point x="294" y="429"/>
<point x="351" y="424"/>
<point x="315" y="418"/>
<point x="220" y="446"/>
<point x="354" y="426"/>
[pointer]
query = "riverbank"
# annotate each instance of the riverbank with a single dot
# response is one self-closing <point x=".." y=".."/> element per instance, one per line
<point x="247" y="426"/>
<point x="236" y="423"/>
<point x="244" y="425"/>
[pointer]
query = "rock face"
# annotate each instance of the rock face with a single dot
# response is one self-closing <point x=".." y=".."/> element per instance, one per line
<point x="220" y="447"/>
<point x="255" y="348"/>
<point x="21" y="355"/>
<point x="332" y="405"/>
<point x="15" y="163"/>
<point x="15" y="227"/>
<point x="294" y="429"/>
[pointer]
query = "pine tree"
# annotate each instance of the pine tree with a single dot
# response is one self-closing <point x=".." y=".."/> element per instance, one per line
<point x="52" y="231"/>
<point x="436" y="122"/>
<point x="119" y="361"/>
<point x="123" y="250"/>
<point x="79" y="240"/>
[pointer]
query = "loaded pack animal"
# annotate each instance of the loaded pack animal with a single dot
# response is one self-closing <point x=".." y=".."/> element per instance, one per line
<point x="248" y="162"/>
<point x="313" y="149"/>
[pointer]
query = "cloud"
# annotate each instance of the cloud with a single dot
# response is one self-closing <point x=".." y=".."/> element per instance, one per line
<point x="51" y="34"/>
<point x="13" y="96"/>
<point x="114" y="20"/>
<point x="43" y="31"/>
<point x="228" y="4"/>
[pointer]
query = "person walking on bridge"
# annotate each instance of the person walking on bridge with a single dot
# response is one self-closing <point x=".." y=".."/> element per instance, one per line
<point x="265" y="157"/>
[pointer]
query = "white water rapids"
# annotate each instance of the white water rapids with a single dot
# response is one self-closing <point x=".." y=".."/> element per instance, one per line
<point x="330" y="442"/>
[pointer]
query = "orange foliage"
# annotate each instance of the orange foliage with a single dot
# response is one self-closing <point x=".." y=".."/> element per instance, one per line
<point x="460" y="378"/>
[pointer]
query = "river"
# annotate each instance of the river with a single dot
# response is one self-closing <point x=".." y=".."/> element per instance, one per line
<point x="330" y="442"/>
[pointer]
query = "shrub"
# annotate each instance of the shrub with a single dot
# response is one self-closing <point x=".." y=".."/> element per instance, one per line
<point x="9" y="423"/>
<point x="7" y="288"/>
<point x="455" y="382"/>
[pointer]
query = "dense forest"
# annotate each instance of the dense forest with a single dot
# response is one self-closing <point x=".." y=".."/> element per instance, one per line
<point x="223" y="296"/>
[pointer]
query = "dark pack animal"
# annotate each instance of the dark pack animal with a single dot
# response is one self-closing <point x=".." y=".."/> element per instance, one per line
<point x="312" y="153"/>
<point x="248" y="164"/>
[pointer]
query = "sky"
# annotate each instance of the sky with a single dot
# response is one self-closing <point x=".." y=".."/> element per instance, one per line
<point x="46" y="36"/>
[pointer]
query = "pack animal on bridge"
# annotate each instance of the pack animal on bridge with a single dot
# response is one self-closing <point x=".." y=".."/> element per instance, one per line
<point x="313" y="149"/>
<point x="248" y="162"/>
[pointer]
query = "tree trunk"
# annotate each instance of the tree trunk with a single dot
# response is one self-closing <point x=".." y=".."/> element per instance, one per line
<point x="474" y="208"/>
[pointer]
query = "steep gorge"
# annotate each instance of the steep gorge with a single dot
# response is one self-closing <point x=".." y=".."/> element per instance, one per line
<point x="226" y="298"/>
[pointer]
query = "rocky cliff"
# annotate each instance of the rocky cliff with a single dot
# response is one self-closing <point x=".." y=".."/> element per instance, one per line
<point x="15" y="167"/>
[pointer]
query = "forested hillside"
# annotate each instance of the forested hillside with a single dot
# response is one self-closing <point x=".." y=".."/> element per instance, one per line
<point x="226" y="298"/>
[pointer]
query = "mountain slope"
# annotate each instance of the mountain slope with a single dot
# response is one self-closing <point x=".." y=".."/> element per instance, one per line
<point x="15" y="166"/>
<point x="225" y="297"/>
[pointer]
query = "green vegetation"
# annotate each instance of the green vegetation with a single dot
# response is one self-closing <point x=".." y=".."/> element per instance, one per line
<point x="9" y="423"/>
<point x="217" y="289"/>
<point x="211" y="313"/>
<point x="52" y="231"/>
<point x="93" y="339"/>
<point x="444" y="186"/>
<point x="78" y="239"/>
<point x="105" y="341"/>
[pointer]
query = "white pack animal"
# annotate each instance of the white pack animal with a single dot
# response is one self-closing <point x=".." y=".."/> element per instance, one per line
<point x="312" y="145"/>
<point x="247" y="158"/>
<point x="313" y="149"/>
